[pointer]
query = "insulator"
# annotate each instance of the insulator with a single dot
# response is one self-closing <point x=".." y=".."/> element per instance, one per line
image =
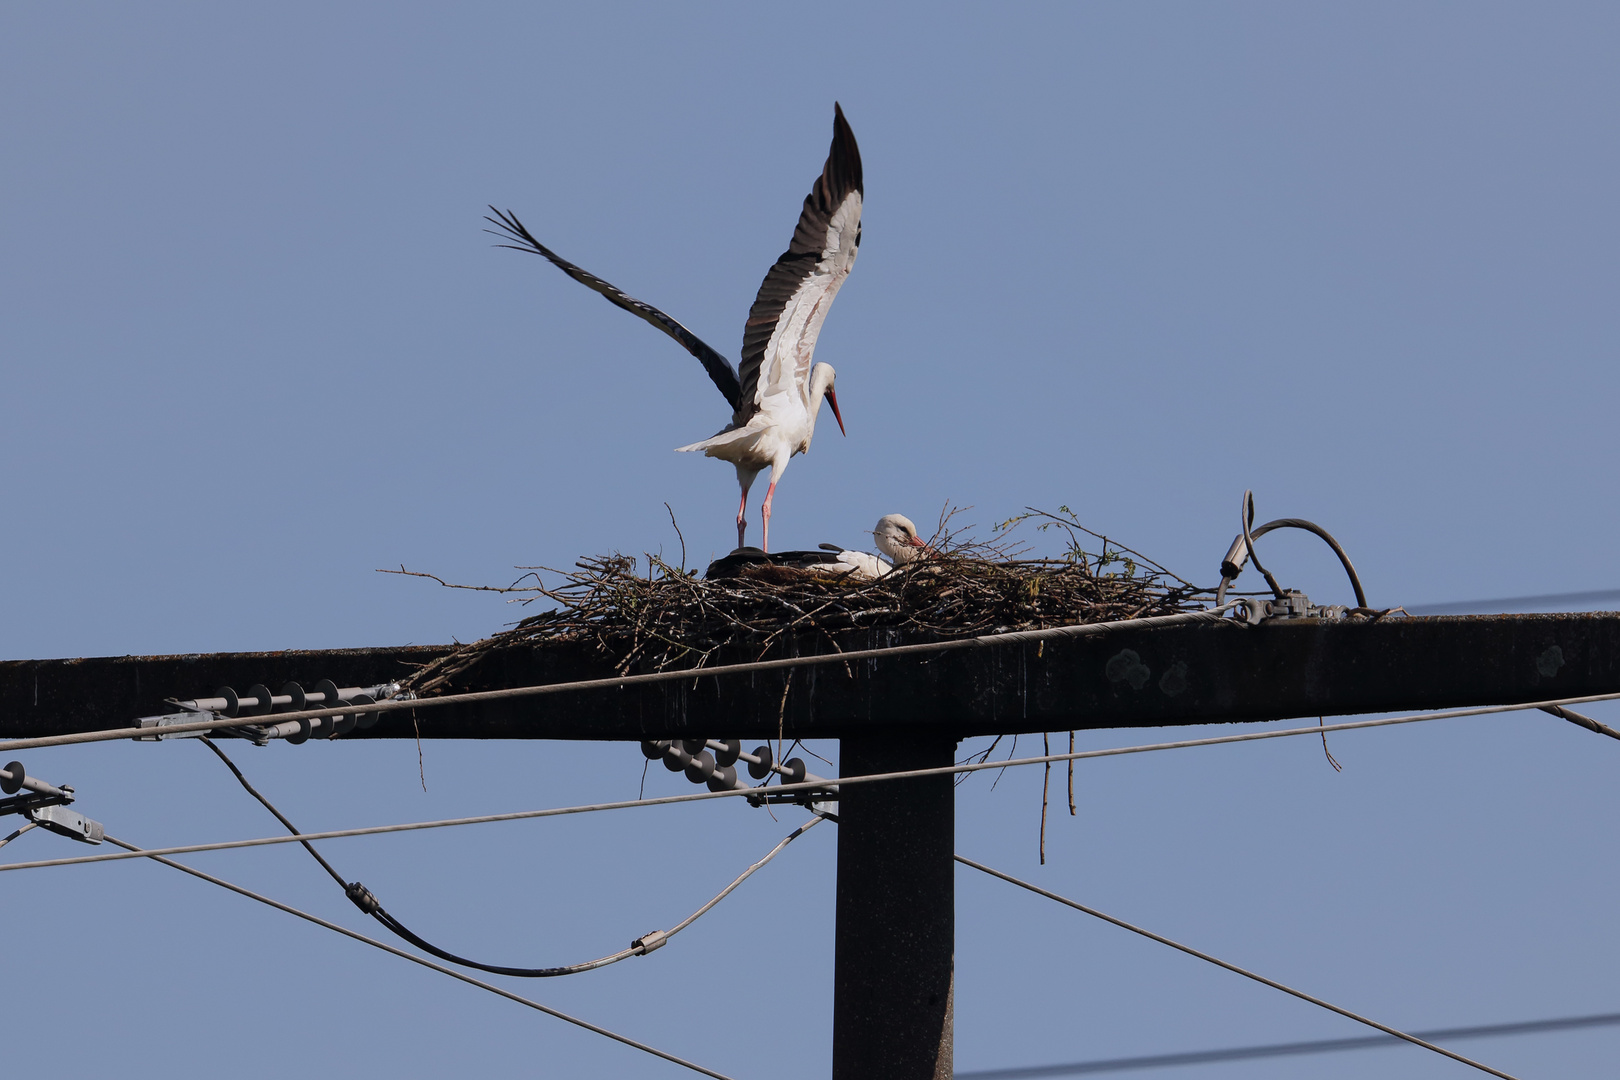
<point x="296" y="693"/>
<point x="328" y="691"/>
<point x="728" y="756"/>
<point x="303" y="733"/>
<point x="700" y="768"/>
<point x="694" y="746"/>
<point x="366" y="719"/>
<point x="676" y="759"/>
<point x="795" y="770"/>
<point x="260" y="693"/>
<point x="760" y="769"/>
<point x="231" y="704"/>
<point x="653" y="749"/>
<point x="14" y="785"/>
<point x="724" y="778"/>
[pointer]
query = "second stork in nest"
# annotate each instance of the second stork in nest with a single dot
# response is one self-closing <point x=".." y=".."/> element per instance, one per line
<point x="777" y="392"/>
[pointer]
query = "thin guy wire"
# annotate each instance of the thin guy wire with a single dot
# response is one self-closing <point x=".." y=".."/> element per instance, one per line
<point x="379" y="913"/>
<point x="809" y="786"/>
<point x="983" y="641"/>
<point x="1190" y="951"/>
<point x="454" y="974"/>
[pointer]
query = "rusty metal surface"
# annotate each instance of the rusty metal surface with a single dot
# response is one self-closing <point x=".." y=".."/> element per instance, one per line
<point x="1177" y="675"/>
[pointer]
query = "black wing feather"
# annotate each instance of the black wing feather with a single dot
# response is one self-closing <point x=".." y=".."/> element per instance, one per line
<point x="839" y="177"/>
<point x="718" y="367"/>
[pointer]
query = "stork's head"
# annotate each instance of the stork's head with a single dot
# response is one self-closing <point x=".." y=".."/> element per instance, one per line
<point x="897" y="538"/>
<point x="823" y="380"/>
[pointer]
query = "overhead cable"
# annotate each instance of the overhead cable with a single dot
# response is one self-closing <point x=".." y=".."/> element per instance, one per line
<point x="453" y="973"/>
<point x="1493" y="606"/>
<point x="814" y="786"/>
<point x="1190" y="951"/>
<point x="1018" y="637"/>
<point x="1582" y="720"/>
<point x="363" y="899"/>
<point x="1243" y="550"/>
<point x="1274" y="1050"/>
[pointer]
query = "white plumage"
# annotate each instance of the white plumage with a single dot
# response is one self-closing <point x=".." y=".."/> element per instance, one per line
<point x="777" y="391"/>
<point x="895" y="536"/>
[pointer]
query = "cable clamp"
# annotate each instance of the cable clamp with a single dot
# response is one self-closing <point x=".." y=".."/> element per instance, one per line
<point x="64" y="822"/>
<point x="646" y="943"/>
<point x="362" y="898"/>
<point x="171" y="719"/>
<point x="1294" y="604"/>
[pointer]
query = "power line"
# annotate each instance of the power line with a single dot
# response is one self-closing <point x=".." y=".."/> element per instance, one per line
<point x="1482" y="607"/>
<point x="454" y="974"/>
<point x="1190" y="951"/>
<point x="1288" y="1049"/>
<point x="369" y="905"/>
<point x="982" y="641"/>
<point x="813" y="786"/>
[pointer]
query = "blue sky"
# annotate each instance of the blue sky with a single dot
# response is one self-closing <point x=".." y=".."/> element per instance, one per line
<point x="1129" y="258"/>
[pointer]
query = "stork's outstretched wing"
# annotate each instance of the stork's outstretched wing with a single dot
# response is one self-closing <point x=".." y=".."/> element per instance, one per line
<point x="780" y="335"/>
<point x="718" y="367"/>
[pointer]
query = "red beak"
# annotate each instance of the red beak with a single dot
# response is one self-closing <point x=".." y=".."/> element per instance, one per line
<point x="832" y="399"/>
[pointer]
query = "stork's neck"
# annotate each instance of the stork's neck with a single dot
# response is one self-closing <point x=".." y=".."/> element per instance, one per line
<point x="821" y="377"/>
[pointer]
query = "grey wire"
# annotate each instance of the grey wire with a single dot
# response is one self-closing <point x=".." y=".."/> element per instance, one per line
<point x="745" y="875"/>
<point x="1190" y="951"/>
<point x="983" y="641"/>
<point x="1287" y="1049"/>
<point x="385" y="947"/>
<point x="811" y="786"/>
<point x="19" y="832"/>
<point x="635" y="949"/>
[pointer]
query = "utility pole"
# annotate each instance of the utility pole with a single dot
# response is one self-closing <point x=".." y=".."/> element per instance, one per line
<point x="893" y="972"/>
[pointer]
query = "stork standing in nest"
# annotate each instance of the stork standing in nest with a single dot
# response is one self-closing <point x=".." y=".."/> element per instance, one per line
<point x="777" y="393"/>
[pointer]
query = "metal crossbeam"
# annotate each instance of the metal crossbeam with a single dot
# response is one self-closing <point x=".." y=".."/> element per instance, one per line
<point x="1148" y="678"/>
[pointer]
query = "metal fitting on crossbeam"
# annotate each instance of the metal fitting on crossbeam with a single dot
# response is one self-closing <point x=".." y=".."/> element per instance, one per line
<point x="69" y="823"/>
<point x="13" y="778"/>
<point x="45" y="805"/>
<point x="1294" y="605"/>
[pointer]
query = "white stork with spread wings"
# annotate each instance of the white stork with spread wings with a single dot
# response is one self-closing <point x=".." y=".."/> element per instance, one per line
<point x="778" y="391"/>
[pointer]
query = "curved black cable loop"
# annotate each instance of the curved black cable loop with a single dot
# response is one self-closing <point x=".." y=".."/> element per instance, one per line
<point x="1312" y="527"/>
<point x="1247" y="517"/>
<point x="363" y="899"/>
<point x="1251" y="535"/>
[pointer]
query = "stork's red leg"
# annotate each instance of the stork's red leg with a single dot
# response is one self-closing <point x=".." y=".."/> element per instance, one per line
<point x="765" y="512"/>
<point x="742" y="522"/>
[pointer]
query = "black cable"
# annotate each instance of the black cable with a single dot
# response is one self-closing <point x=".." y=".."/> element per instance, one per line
<point x="1312" y="527"/>
<point x="363" y="899"/>
<point x="1246" y="517"/>
<point x="366" y="902"/>
<point x="1232" y="566"/>
<point x="251" y="790"/>
<point x="374" y="943"/>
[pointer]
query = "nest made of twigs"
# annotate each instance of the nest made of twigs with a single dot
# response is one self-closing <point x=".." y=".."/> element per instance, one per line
<point x="667" y="616"/>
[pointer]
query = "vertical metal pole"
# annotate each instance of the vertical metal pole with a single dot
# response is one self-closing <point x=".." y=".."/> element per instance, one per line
<point x="894" y="956"/>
